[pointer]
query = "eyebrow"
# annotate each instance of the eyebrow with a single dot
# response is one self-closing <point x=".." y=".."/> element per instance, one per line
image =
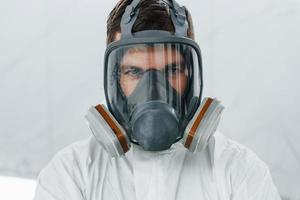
<point x="181" y="64"/>
<point x="124" y="67"/>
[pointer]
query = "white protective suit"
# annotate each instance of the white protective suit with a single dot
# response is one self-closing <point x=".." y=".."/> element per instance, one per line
<point x="224" y="171"/>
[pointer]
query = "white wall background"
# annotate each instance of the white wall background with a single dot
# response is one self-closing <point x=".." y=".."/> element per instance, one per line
<point x="51" y="55"/>
<point x="16" y="188"/>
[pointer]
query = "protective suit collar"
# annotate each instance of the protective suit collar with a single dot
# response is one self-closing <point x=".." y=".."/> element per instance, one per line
<point x="154" y="172"/>
<point x="149" y="169"/>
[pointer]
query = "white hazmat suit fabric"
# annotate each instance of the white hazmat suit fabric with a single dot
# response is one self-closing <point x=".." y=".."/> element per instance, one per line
<point x="225" y="170"/>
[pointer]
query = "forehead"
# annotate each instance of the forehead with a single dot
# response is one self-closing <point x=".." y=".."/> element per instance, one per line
<point x="148" y="55"/>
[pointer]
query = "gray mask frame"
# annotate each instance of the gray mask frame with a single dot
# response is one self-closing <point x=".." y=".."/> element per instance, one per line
<point x="150" y="37"/>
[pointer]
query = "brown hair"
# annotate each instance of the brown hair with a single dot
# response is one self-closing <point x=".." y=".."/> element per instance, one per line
<point x="153" y="14"/>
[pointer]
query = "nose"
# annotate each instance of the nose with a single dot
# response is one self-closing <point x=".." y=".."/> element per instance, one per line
<point x="156" y="85"/>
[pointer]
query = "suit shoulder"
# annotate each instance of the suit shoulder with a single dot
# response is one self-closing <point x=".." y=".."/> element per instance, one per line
<point x="240" y="162"/>
<point x="78" y="156"/>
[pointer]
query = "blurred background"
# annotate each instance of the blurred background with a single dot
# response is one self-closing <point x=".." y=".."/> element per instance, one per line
<point x="51" y="63"/>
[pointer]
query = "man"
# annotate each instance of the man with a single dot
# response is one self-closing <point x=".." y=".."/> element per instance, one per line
<point x="158" y="140"/>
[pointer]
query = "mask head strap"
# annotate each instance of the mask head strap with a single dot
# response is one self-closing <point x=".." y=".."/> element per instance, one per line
<point x="178" y="17"/>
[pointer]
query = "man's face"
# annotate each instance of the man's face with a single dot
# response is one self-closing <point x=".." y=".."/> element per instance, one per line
<point x="138" y="60"/>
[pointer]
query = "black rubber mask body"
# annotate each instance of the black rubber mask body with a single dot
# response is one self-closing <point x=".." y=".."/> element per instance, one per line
<point x="155" y="110"/>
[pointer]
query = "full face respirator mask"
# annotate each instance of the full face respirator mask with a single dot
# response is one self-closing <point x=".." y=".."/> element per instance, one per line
<point x="153" y="86"/>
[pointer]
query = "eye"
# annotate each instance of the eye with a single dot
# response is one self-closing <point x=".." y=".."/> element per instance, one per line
<point x="133" y="72"/>
<point x="174" y="69"/>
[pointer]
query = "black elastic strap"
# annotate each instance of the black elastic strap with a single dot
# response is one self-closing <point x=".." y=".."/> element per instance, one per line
<point x="128" y="19"/>
<point x="178" y="16"/>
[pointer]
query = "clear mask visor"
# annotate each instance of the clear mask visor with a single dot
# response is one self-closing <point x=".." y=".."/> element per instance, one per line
<point x="166" y="72"/>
